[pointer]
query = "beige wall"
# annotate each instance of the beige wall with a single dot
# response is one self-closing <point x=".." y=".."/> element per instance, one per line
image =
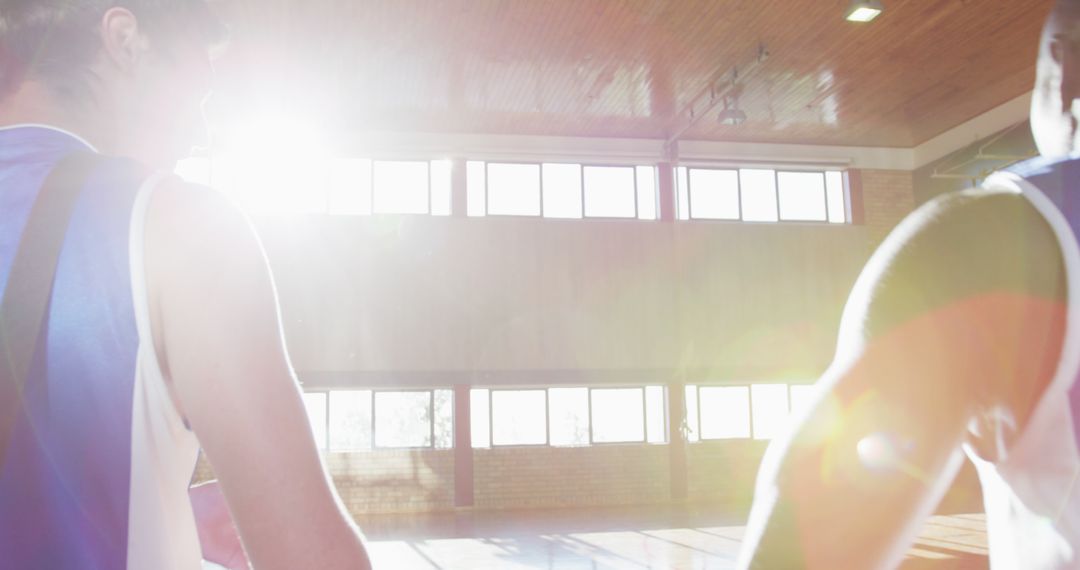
<point x="451" y="294"/>
<point x="750" y="301"/>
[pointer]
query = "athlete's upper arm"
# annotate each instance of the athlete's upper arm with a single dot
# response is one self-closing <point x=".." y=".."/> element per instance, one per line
<point x="218" y="331"/>
<point x="948" y="318"/>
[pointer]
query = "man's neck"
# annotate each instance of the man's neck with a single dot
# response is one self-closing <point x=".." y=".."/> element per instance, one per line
<point x="34" y="103"/>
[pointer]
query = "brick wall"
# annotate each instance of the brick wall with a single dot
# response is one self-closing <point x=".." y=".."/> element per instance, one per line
<point x="888" y="196"/>
<point x="402" y="481"/>
<point x="394" y="481"/>
<point x="571" y="476"/>
<point x="385" y="481"/>
<point x="723" y="471"/>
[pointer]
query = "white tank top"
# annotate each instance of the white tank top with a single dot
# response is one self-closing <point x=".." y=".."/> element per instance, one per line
<point x="161" y="524"/>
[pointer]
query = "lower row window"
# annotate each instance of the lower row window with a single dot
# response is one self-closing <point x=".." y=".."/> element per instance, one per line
<point x="568" y="416"/>
<point x="351" y="420"/>
<point x="760" y="411"/>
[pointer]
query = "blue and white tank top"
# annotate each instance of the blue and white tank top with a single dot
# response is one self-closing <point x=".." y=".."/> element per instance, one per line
<point x="100" y="460"/>
<point x="1031" y="496"/>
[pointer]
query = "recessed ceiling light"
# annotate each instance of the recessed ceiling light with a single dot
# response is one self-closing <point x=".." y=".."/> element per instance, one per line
<point x="864" y="10"/>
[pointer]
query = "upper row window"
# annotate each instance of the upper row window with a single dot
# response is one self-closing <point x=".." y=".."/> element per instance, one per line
<point x="356" y="186"/>
<point x="345" y="186"/>
<point x="759" y="195"/>
<point x="559" y="190"/>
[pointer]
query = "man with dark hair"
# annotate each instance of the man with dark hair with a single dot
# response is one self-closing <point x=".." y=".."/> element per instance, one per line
<point x="161" y="333"/>
<point x="961" y="335"/>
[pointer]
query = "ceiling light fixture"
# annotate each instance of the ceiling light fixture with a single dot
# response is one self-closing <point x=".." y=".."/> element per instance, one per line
<point x="732" y="114"/>
<point x="733" y="117"/>
<point x="864" y="10"/>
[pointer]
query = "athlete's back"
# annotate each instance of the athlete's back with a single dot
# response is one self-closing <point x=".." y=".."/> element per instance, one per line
<point x="960" y="335"/>
<point x="98" y="465"/>
<point x="145" y="352"/>
<point x="1030" y="490"/>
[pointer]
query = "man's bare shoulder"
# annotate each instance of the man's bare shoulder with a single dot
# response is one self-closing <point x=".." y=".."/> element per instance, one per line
<point x="962" y="245"/>
<point x="192" y="228"/>
<point x="190" y="209"/>
<point x="202" y="259"/>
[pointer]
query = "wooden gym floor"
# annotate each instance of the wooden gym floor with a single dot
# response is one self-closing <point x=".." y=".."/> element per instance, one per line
<point x="626" y="538"/>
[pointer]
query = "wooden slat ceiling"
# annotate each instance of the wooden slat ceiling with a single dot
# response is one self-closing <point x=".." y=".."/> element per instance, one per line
<point x="614" y="68"/>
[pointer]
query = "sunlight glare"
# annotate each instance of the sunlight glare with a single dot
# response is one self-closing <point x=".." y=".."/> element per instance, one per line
<point x="274" y="166"/>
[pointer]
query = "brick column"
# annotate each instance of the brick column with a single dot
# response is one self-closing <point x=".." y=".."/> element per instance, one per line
<point x="458" y="189"/>
<point x="666" y="173"/>
<point x="463" y="452"/>
<point x="677" y="444"/>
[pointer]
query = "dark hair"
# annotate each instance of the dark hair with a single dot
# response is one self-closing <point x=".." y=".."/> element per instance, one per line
<point x="55" y="41"/>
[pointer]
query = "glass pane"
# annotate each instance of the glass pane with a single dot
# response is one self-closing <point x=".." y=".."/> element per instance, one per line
<point x="264" y="185"/>
<point x="195" y="170"/>
<point x="725" y="412"/>
<point x="569" y="415"/>
<point x="692" y="426"/>
<point x="444" y="419"/>
<point x="403" y="419"/>
<point x="646" y="192"/>
<point x="350" y="420"/>
<point x="610" y="192"/>
<point x="802" y="196"/>
<point x="519" y="417"/>
<point x="770" y="409"/>
<point x="475" y="199"/>
<point x="350" y="187"/>
<point x="714" y="194"/>
<point x="758" y="195"/>
<point x="656" y="414"/>
<point x="682" y="185"/>
<point x="315" y="404"/>
<point x="834" y="184"/>
<point x="481" y="419"/>
<point x="513" y="189"/>
<point x="562" y="190"/>
<point x="400" y="187"/>
<point x="802" y="396"/>
<point x="442" y="172"/>
<point x="618" y="415"/>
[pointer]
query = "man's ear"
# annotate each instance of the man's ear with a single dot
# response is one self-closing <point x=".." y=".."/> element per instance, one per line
<point x="124" y="45"/>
